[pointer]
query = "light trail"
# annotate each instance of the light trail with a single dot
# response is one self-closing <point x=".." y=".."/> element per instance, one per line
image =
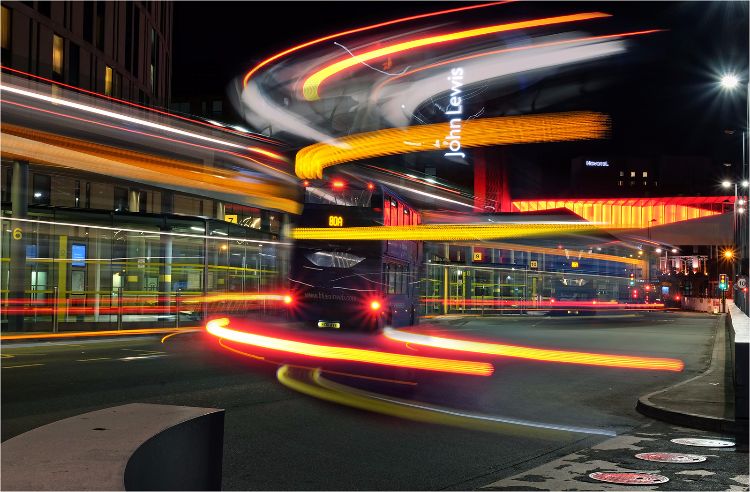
<point x="562" y="356"/>
<point x="117" y="116"/>
<point x="311" y="85"/>
<point x="125" y="229"/>
<point x="314" y="384"/>
<point x="103" y="333"/>
<point x="212" y="125"/>
<point x="504" y="130"/>
<point x="440" y="232"/>
<point x="327" y="371"/>
<point x="395" y="77"/>
<point x="265" y="62"/>
<point x="219" y="328"/>
<point x="160" y="137"/>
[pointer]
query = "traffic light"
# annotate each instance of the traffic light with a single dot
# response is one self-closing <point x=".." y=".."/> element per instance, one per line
<point x="632" y="279"/>
<point x="723" y="282"/>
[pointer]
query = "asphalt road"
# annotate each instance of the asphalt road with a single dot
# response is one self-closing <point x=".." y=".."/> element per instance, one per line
<point x="278" y="439"/>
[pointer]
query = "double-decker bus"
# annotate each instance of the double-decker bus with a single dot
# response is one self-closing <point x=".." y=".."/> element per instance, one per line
<point x="357" y="285"/>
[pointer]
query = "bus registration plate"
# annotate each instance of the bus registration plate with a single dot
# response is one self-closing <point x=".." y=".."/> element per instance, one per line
<point x="328" y="324"/>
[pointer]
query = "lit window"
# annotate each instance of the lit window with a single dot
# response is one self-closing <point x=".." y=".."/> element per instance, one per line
<point x="6" y="28"/>
<point x="107" y="81"/>
<point x="645" y="174"/>
<point x="622" y="173"/>
<point x="656" y="183"/>
<point x="619" y="183"/>
<point x="645" y="183"/>
<point x="632" y="174"/>
<point x="57" y="54"/>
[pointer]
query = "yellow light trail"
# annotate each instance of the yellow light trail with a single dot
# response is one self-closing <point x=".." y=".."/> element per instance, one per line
<point x="313" y="383"/>
<point x="312" y="84"/>
<point x="532" y="353"/>
<point x="504" y="130"/>
<point x="439" y="232"/>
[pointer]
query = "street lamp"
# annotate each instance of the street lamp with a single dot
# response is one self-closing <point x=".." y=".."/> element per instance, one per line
<point x="729" y="81"/>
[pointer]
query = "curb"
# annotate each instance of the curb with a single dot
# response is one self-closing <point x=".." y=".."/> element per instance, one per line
<point x="694" y="420"/>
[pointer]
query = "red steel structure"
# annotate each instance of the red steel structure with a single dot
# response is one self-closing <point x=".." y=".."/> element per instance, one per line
<point x="635" y="213"/>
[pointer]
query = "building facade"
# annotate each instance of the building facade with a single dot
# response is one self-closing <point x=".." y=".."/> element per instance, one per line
<point x="119" y="49"/>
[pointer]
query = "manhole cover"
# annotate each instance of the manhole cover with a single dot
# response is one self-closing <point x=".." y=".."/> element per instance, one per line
<point x="629" y="478"/>
<point x="671" y="457"/>
<point x="706" y="443"/>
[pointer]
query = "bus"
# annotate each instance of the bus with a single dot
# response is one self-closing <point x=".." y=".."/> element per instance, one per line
<point x="355" y="285"/>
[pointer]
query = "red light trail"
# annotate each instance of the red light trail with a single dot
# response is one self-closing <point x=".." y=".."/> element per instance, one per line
<point x="220" y="328"/>
<point x="361" y="29"/>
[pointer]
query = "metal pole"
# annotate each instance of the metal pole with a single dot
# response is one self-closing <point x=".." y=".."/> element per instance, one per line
<point x="119" y="308"/>
<point x="54" y="310"/>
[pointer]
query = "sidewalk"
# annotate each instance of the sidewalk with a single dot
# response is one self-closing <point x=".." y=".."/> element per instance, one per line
<point x="703" y="402"/>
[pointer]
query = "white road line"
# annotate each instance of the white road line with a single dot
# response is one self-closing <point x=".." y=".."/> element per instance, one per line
<point x="97" y="358"/>
<point x="137" y="357"/>
<point x="22" y="365"/>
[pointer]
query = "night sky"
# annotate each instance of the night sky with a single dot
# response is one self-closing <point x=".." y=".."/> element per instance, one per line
<point x="662" y="95"/>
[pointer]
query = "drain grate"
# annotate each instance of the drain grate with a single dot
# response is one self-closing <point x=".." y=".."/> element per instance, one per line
<point x="629" y="478"/>
<point x="671" y="457"/>
<point x="706" y="443"/>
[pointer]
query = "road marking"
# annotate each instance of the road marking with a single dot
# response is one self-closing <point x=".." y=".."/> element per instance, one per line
<point x="6" y="356"/>
<point x="138" y="357"/>
<point x="97" y="358"/>
<point x="143" y="351"/>
<point x="22" y="365"/>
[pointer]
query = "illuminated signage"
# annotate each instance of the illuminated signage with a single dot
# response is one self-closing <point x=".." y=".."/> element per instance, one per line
<point x="597" y="164"/>
<point x="573" y="264"/>
<point x="335" y="221"/>
<point x="454" y="110"/>
<point x="78" y="255"/>
<point x="477" y="256"/>
<point x="231" y="218"/>
<point x="533" y="264"/>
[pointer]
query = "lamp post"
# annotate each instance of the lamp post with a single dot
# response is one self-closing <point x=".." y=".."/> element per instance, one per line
<point x="731" y="82"/>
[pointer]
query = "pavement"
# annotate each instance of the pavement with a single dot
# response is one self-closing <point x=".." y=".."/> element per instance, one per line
<point x="702" y="402"/>
<point x="278" y="439"/>
<point x="719" y="471"/>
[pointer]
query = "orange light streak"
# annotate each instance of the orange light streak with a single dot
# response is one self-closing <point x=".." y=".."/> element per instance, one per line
<point x="219" y="328"/>
<point x="161" y="137"/>
<point x="481" y="132"/>
<point x="327" y="371"/>
<point x="562" y="356"/>
<point x="361" y="29"/>
<point x="104" y="333"/>
<point x="311" y="85"/>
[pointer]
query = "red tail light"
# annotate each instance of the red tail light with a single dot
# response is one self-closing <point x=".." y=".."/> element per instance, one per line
<point x="288" y="299"/>
<point x="370" y="186"/>
<point x="338" y="184"/>
<point x="375" y="305"/>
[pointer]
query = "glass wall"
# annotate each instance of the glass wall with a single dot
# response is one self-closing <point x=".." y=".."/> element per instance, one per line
<point x="72" y="270"/>
<point x="465" y="279"/>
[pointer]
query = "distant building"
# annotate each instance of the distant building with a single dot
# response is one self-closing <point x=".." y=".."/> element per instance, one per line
<point x="627" y="176"/>
<point x="120" y="49"/>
